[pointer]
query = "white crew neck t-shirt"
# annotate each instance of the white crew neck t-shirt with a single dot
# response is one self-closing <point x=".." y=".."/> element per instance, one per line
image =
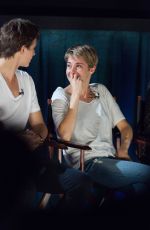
<point x="94" y="123"/>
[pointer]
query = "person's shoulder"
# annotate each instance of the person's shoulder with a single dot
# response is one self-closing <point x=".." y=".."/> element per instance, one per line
<point x="23" y="75"/>
<point x="99" y="87"/>
<point x="59" y="93"/>
<point x="59" y="90"/>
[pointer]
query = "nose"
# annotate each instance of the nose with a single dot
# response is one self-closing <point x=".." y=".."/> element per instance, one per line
<point x="73" y="70"/>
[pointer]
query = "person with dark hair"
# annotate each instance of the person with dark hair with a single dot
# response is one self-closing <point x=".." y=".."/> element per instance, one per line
<point x="19" y="106"/>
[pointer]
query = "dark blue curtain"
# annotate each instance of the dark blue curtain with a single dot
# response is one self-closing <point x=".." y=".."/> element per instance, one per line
<point x="124" y="64"/>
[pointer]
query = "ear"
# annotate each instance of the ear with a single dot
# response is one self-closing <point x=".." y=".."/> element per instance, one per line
<point x="22" y="49"/>
<point x="92" y="70"/>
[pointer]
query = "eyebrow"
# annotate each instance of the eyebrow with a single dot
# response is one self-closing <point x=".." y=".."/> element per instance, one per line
<point x="78" y="63"/>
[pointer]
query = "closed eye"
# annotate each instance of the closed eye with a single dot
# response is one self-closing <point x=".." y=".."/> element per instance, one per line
<point x="79" y="66"/>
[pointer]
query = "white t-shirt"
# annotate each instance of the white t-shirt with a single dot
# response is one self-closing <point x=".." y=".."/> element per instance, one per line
<point x="14" y="111"/>
<point x="94" y="123"/>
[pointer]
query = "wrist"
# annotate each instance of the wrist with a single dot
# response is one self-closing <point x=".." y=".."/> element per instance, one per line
<point x="42" y="139"/>
<point x="125" y="145"/>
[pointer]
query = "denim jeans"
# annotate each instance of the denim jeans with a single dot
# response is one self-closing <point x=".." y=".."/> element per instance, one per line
<point x="55" y="178"/>
<point x="117" y="174"/>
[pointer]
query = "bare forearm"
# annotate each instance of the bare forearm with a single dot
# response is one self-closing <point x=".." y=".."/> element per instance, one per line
<point x="126" y="138"/>
<point x="41" y="130"/>
<point x="67" y="126"/>
<point x="37" y="124"/>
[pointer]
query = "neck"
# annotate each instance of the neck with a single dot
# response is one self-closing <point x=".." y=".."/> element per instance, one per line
<point x="85" y="91"/>
<point x="88" y="95"/>
<point x="7" y="68"/>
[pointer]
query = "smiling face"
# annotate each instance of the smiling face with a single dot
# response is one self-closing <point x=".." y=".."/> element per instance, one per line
<point x="77" y="66"/>
<point x="81" y="62"/>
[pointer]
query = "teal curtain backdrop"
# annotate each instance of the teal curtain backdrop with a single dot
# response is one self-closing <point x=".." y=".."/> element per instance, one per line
<point x="124" y="64"/>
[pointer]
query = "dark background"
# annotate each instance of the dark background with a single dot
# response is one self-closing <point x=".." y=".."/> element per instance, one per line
<point x="105" y="8"/>
<point x="84" y="14"/>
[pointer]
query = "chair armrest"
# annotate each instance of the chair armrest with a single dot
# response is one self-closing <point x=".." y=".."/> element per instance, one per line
<point x="142" y="140"/>
<point x="71" y="144"/>
<point x="55" y="143"/>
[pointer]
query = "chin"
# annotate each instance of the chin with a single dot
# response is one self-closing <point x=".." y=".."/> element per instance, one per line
<point x="26" y="65"/>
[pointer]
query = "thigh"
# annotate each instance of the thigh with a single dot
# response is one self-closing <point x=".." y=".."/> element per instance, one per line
<point x="47" y="179"/>
<point x="73" y="179"/>
<point x="114" y="173"/>
<point x="57" y="178"/>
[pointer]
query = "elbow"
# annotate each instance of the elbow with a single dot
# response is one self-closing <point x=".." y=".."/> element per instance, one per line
<point x="66" y="138"/>
<point x="131" y="132"/>
<point x="45" y="132"/>
<point x="64" y="135"/>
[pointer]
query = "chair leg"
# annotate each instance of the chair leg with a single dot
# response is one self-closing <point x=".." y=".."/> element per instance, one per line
<point x="51" y="151"/>
<point x="60" y="155"/>
<point x="44" y="200"/>
<point x="82" y="160"/>
<point x="101" y="202"/>
<point x="46" y="196"/>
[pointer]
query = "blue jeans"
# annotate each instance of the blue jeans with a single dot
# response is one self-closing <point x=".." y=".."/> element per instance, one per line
<point x="78" y="189"/>
<point x="55" y="178"/>
<point x="76" y="186"/>
<point x="119" y="174"/>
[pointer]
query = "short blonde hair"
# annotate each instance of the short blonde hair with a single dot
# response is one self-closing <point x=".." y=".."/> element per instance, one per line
<point x="87" y="52"/>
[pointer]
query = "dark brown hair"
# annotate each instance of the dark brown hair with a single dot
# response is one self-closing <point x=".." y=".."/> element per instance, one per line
<point x="16" y="33"/>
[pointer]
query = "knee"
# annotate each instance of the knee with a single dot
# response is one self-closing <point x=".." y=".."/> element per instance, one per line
<point x="85" y="182"/>
<point x="141" y="188"/>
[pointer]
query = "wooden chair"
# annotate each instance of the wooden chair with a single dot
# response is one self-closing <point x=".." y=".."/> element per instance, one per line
<point x="82" y="148"/>
<point x="53" y="146"/>
<point x="58" y="145"/>
<point x="65" y="144"/>
<point x="142" y="141"/>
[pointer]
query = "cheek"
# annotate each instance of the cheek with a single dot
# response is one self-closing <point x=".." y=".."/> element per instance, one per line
<point x="67" y="72"/>
<point x="30" y="54"/>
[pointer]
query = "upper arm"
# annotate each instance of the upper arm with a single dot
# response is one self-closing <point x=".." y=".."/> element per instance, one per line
<point x="59" y="106"/>
<point x="110" y="106"/>
<point x="124" y="125"/>
<point x="35" y="119"/>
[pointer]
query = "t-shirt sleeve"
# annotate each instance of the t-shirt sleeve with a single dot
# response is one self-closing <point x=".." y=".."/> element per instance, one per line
<point x="34" y="100"/>
<point x="114" y="111"/>
<point x="60" y="106"/>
